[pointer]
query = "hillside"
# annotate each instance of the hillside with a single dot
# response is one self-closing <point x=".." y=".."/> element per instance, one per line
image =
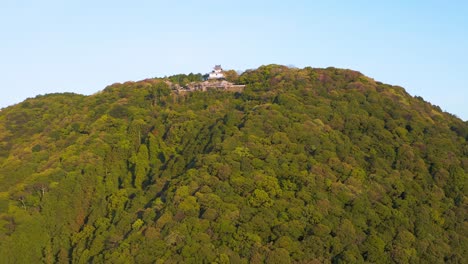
<point x="304" y="166"/>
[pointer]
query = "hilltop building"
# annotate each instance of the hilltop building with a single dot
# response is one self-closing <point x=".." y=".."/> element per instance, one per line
<point x="215" y="80"/>
<point x="216" y="73"/>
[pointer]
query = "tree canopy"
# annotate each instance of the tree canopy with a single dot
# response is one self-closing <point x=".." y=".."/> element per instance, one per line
<point x="306" y="165"/>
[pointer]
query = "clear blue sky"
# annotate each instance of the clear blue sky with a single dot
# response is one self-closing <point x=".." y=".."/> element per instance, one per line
<point x="82" y="45"/>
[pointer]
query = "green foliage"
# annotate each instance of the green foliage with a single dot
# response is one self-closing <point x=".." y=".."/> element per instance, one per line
<point x="305" y="166"/>
<point x="183" y="79"/>
<point x="260" y="198"/>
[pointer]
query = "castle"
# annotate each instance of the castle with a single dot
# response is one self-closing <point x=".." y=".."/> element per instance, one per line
<point x="215" y="80"/>
<point x="216" y="73"/>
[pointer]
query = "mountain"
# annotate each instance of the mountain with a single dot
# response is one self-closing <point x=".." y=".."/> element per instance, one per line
<point x="304" y="166"/>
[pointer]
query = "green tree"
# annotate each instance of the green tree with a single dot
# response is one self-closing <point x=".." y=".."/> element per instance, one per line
<point x="141" y="166"/>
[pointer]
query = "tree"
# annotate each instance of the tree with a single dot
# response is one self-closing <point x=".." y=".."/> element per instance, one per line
<point x="231" y="76"/>
<point x="260" y="198"/>
<point x="141" y="167"/>
<point x="158" y="91"/>
<point x="279" y="255"/>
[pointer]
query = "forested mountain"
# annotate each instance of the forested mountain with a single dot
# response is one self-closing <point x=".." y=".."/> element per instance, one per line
<point x="305" y="166"/>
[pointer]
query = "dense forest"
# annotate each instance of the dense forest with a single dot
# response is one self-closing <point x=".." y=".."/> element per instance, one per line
<point x="305" y="166"/>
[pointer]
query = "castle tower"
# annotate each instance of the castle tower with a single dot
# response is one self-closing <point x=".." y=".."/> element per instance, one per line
<point x="216" y="73"/>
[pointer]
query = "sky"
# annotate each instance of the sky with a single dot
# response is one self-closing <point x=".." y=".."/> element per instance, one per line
<point x="82" y="46"/>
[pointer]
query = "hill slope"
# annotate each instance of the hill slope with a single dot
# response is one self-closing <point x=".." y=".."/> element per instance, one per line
<point x="305" y="165"/>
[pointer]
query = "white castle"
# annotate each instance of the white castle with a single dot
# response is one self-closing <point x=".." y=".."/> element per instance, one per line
<point x="216" y="73"/>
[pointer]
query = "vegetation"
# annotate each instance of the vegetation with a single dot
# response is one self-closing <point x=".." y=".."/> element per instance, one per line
<point x="184" y="79"/>
<point x="306" y="165"/>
